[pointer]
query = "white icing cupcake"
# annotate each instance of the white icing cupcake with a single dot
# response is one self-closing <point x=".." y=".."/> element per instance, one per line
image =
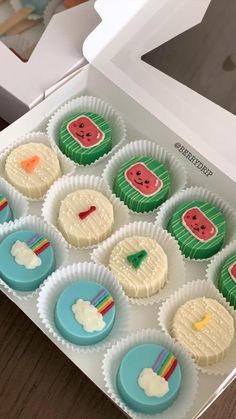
<point x="86" y="217"/>
<point x="205" y="328"/>
<point x="140" y="265"/>
<point x="32" y="168"/>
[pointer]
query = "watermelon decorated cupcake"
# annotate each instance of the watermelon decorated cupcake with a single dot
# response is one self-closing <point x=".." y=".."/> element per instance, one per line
<point x="227" y="280"/>
<point x="84" y="137"/>
<point x="199" y="227"/>
<point x="144" y="175"/>
<point x="86" y="129"/>
<point x="5" y="210"/>
<point x="142" y="183"/>
<point x="85" y="313"/>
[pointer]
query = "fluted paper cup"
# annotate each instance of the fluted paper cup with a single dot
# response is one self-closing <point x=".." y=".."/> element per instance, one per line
<point x="63" y="278"/>
<point x="176" y="266"/>
<point x="67" y="167"/>
<point x="191" y="290"/>
<point x="178" y="174"/>
<point x="215" y="266"/>
<point x="88" y="104"/>
<point x="68" y="184"/>
<point x="18" y="203"/>
<point x="31" y="222"/>
<point x="197" y="193"/>
<point x="189" y="384"/>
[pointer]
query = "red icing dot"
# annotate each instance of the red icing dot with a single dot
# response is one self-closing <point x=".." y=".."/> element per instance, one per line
<point x="84" y="214"/>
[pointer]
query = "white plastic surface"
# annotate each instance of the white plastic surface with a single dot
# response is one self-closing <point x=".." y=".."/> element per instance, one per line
<point x="141" y="124"/>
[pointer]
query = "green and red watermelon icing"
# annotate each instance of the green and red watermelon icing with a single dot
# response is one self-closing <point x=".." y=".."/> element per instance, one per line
<point x="227" y="280"/>
<point x="84" y="137"/>
<point x="142" y="183"/>
<point x="199" y="227"/>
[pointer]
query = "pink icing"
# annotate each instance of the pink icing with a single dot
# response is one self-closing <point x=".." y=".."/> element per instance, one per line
<point x="200" y="226"/>
<point x="85" y="131"/>
<point x="143" y="180"/>
<point x="232" y="271"/>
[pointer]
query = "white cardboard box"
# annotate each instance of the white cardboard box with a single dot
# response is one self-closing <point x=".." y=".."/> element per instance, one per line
<point x="155" y="107"/>
<point x="57" y="54"/>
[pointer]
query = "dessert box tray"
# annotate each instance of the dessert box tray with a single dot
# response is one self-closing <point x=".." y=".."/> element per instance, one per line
<point x="141" y="123"/>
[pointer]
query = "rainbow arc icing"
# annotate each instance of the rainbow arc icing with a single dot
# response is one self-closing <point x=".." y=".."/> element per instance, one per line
<point x="103" y="302"/>
<point x="165" y="364"/>
<point x="3" y="202"/>
<point x="38" y="244"/>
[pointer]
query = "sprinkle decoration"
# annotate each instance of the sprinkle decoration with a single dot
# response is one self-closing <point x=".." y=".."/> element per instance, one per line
<point x="3" y="202"/>
<point x="103" y="302"/>
<point x="83" y="215"/>
<point x="202" y="323"/>
<point x="165" y="364"/>
<point x="38" y="244"/>
<point x="136" y="259"/>
<point x="30" y="165"/>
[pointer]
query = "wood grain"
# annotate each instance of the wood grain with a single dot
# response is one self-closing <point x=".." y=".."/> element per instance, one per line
<point x="37" y="380"/>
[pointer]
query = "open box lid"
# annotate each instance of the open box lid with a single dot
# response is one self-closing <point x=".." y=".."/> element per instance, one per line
<point x="57" y="54"/>
<point x="115" y="48"/>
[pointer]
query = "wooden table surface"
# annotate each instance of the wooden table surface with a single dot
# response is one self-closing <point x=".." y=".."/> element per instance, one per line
<point x="37" y="381"/>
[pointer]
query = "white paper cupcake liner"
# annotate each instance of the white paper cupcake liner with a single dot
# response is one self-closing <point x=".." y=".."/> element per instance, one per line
<point x="215" y="266"/>
<point x="191" y="290"/>
<point x="61" y="279"/>
<point x="18" y="203"/>
<point x="67" y="167"/>
<point x="36" y="224"/>
<point x="89" y="104"/>
<point x="17" y="5"/>
<point x="176" y="265"/>
<point x="197" y="193"/>
<point x="54" y="6"/>
<point x="189" y="384"/>
<point x="62" y="187"/>
<point x="178" y="174"/>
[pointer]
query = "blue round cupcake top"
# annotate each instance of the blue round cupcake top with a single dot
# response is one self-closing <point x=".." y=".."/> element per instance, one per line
<point x="85" y="313"/>
<point x="5" y="210"/>
<point x="149" y="378"/>
<point x="27" y="259"/>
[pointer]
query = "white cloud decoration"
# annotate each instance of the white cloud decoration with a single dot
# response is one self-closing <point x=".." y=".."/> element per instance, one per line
<point x="152" y="384"/>
<point x="88" y="316"/>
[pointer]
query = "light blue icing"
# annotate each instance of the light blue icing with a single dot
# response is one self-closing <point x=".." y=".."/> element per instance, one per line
<point x="38" y="6"/>
<point x="17" y="276"/>
<point x="5" y="214"/>
<point x="65" y="320"/>
<point x="138" y="358"/>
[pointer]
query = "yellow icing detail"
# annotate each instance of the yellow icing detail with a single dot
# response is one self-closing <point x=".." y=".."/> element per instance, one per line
<point x="200" y="325"/>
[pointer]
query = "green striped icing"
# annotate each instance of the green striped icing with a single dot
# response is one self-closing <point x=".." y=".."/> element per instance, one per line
<point x="133" y="198"/>
<point x="191" y="246"/>
<point x="73" y="148"/>
<point x="226" y="284"/>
